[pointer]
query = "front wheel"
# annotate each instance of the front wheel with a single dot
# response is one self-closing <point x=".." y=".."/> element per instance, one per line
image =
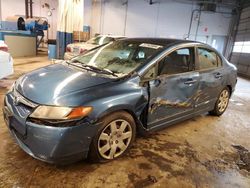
<point x="113" y="138"/>
<point x="221" y="103"/>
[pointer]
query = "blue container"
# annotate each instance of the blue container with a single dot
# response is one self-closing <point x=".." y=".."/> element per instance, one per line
<point x="52" y="51"/>
<point x="1" y="36"/>
<point x="86" y="28"/>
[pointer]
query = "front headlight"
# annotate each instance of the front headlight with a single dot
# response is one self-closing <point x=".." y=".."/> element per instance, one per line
<point x="60" y="113"/>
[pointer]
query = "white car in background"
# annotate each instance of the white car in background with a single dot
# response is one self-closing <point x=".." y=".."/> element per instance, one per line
<point x="76" y="49"/>
<point x="6" y="61"/>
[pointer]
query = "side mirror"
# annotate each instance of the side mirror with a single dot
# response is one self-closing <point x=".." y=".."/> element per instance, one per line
<point x="148" y="77"/>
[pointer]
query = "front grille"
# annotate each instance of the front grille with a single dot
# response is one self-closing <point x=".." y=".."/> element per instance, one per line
<point x="19" y="99"/>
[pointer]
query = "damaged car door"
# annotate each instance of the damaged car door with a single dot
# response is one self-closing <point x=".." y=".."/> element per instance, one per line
<point x="212" y="78"/>
<point x="173" y="92"/>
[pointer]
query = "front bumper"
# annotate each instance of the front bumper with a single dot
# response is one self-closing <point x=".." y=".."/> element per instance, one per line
<point x="58" y="145"/>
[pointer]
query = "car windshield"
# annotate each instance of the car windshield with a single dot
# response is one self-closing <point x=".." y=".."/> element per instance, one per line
<point x="119" y="57"/>
<point x="100" y="40"/>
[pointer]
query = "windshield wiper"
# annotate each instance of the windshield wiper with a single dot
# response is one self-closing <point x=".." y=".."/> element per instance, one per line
<point x="96" y="69"/>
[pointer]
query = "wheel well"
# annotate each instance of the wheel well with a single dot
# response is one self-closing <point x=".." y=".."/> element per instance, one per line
<point x="132" y="114"/>
<point x="137" y="121"/>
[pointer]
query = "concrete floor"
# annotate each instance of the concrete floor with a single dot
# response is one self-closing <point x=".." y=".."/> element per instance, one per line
<point x="205" y="151"/>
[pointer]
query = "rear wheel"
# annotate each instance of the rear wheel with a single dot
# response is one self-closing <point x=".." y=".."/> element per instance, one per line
<point x="114" y="137"/>
<point x="221" y="103"/>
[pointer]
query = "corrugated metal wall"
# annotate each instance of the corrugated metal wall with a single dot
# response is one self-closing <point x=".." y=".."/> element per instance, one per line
<point x="242" y="60"/>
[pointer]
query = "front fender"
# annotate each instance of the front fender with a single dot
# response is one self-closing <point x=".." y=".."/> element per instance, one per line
<point x="132" y="102"/>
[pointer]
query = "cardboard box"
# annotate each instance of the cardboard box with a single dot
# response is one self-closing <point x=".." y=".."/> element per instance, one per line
<point x="81" y="36"/>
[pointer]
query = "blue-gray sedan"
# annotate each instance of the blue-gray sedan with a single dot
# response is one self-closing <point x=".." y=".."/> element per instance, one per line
<point x="93" y="105"/>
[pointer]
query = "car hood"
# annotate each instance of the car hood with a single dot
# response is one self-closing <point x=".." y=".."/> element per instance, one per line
<point x="46" y="85"/>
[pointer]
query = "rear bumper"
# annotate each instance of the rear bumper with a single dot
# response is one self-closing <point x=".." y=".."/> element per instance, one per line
<point x="58" y="145"/>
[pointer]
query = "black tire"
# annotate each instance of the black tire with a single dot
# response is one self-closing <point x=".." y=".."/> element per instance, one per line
<point x="217" y="111"/>
<point x="94" y="153"/>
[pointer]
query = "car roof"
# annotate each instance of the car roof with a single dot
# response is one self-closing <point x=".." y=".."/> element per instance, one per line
<point x="160" y="41"/>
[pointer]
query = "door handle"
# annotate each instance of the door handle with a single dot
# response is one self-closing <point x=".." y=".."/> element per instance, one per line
<point x="190" y="82"/>
<point x="218" y="75"/>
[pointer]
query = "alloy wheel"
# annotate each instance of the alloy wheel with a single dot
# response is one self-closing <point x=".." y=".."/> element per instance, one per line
<point x="223" y="100"/>
<point x="114" y="139"/>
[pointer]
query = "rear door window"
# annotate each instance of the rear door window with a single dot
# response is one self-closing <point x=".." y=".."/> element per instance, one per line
<point x="208" y="59"/>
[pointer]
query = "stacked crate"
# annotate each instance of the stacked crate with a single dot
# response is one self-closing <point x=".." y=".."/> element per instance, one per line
<point x="82" y="36"/>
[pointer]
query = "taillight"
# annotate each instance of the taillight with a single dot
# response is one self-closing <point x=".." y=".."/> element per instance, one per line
<point x="4" y="48"/>
<point x="82" y="50"/>
<point x="68" y="49"/>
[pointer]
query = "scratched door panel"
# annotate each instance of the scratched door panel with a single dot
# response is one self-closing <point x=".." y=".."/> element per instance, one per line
<point x="172" y="98"/>
<point x="209" y="88"/>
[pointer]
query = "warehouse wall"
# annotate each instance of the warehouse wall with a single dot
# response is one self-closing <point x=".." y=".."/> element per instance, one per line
<point x="87" y="12"/>
<point x="40" y="11"/>
<point x="165" y="18"/>
<point x="17" y="7"/>
<point x="162" y="19"/>
<point x="12" y="7"/>
<point x="241" y="52"/>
